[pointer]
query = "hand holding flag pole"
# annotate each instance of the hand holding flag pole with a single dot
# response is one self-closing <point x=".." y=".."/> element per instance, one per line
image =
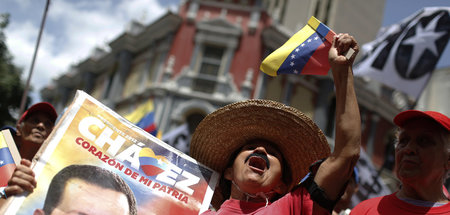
<point x="343" y="49"/>
<point x="304" y="53"/>
<point x="340" y="63"/>
<point x="22" y="180"/>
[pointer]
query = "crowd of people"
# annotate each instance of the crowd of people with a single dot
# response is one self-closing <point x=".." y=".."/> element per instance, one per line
<point x="273" y="159"/>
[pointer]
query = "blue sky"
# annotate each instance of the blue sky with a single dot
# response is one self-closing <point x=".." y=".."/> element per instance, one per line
<point x="75" y="27"/>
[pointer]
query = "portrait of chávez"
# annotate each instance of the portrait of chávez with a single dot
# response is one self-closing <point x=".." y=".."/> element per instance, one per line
<point x="87" y="189"/>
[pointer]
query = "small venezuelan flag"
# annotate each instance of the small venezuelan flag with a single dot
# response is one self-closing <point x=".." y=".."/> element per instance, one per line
<point x="144" y="117"/>
<point x="304" y="53"/>
<point x="152" y="164"/>
<point x="7" y="164"/>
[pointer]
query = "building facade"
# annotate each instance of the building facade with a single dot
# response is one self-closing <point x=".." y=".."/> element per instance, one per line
<point x="208" y="54"/>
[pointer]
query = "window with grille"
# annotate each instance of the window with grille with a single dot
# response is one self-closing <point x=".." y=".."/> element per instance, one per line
<point x="209" y="69"/>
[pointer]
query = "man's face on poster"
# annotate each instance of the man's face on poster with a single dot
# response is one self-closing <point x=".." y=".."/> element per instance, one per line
<point x="82" y="198"/>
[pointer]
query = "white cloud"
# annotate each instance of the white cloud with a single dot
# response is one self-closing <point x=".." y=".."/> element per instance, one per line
<point x="73" y="29"/>
<point x="142" y="10"/>
<point x="18" y="39"/>
<point x="21" y="40"/>
<point x="23" y="3"/>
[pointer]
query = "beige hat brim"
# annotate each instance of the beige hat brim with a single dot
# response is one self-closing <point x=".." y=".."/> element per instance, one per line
<point x="227" y="129"/>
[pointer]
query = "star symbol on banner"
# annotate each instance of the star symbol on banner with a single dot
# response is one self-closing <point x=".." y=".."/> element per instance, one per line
<point x="297" y="49"/>
<point x="309" y="40"/>
<point x="295" y="71"/>
<point x="1" y="162"/>
<point x="423" y="39"/>
<point x="292" y="63"/>
<point x="292" y="56"/>
<point x="316" y="38"/>
<point x="160" y="162"/>
<point x="302" y="45"/>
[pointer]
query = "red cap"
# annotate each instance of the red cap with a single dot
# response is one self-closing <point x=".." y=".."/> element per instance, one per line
<point x="40" y="107"/>
<point x="440" y="118"/>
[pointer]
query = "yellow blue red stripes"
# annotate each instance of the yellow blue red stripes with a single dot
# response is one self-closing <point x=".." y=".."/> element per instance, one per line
<point x="7" y="164"/>
<point x="306" y="52"/>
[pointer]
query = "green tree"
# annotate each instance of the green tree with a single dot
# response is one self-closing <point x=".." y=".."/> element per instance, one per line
<point x="11" y="85"/>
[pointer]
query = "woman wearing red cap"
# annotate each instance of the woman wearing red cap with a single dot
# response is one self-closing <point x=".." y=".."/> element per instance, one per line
<point x="422" y="160"/>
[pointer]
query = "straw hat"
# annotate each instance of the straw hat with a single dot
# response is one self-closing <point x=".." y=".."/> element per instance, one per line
<point x="227" y="129"/>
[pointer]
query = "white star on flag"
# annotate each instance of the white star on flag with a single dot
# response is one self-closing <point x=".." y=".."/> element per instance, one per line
<point x="297" y="49"/>
<point x="309" y="40"/>
<point x="292" y="56"/>
<point x="1" y="162"/>
<point x="315" y="38"/>
<point x="295" y="71"/>
<point x="424" y="39"/>
<point x="292" y="63"/>
<point x="160" y="162"/>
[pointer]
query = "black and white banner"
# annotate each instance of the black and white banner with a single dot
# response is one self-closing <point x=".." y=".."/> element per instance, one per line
<point x="404" y="54"/>
<point x="179" y="138"/>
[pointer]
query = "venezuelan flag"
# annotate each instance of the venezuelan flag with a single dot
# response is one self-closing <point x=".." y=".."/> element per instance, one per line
<point x="150" y="163"/>
<point x="7" y="164"/>
<point x="304" y="53"/>
<point x="144" y="117"/>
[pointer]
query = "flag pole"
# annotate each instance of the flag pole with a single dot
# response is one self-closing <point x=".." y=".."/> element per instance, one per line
<point x="30" y="73"/>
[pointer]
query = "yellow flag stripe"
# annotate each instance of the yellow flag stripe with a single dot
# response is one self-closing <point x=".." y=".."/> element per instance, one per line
<point x="313" y="22"/>
<point x="272" y="62"/>
<point x="140" y="112"/>
<point x="2" y="141"/>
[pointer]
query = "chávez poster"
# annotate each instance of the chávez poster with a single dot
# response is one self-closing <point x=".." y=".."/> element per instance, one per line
<point x="162" y="179"/>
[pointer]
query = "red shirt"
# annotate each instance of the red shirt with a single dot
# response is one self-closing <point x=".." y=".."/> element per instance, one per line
<point x="391" y="204"/>
<point x="297" y="201"/>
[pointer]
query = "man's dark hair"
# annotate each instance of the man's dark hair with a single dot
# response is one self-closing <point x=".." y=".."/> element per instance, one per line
<point x="90" y="174"/>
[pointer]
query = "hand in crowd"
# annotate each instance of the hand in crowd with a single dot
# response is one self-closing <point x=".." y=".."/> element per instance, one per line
<point x="341" y="45"/>
<point x="22" y="180"/>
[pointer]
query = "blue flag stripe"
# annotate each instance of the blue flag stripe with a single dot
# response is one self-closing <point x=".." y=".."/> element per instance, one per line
<point x="144" y="160"/>
<point x="149" y="161"/>
<point x="302" y="56"/>
<point x="147" y="120"/>
<point x="322" y="30"/>
<point x="5" y="157"/>
<point x="154" y="132"/>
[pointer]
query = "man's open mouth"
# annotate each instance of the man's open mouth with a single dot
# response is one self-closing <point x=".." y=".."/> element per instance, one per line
<point x="258" y="161"/>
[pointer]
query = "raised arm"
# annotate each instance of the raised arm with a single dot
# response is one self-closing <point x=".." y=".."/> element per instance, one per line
<point x="335" y="171"/>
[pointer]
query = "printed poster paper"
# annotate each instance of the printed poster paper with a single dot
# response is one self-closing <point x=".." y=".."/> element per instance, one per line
<point x="163" y="179"/>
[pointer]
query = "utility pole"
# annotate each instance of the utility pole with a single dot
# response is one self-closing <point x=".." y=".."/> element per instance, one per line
<point x="27" y="86"/>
